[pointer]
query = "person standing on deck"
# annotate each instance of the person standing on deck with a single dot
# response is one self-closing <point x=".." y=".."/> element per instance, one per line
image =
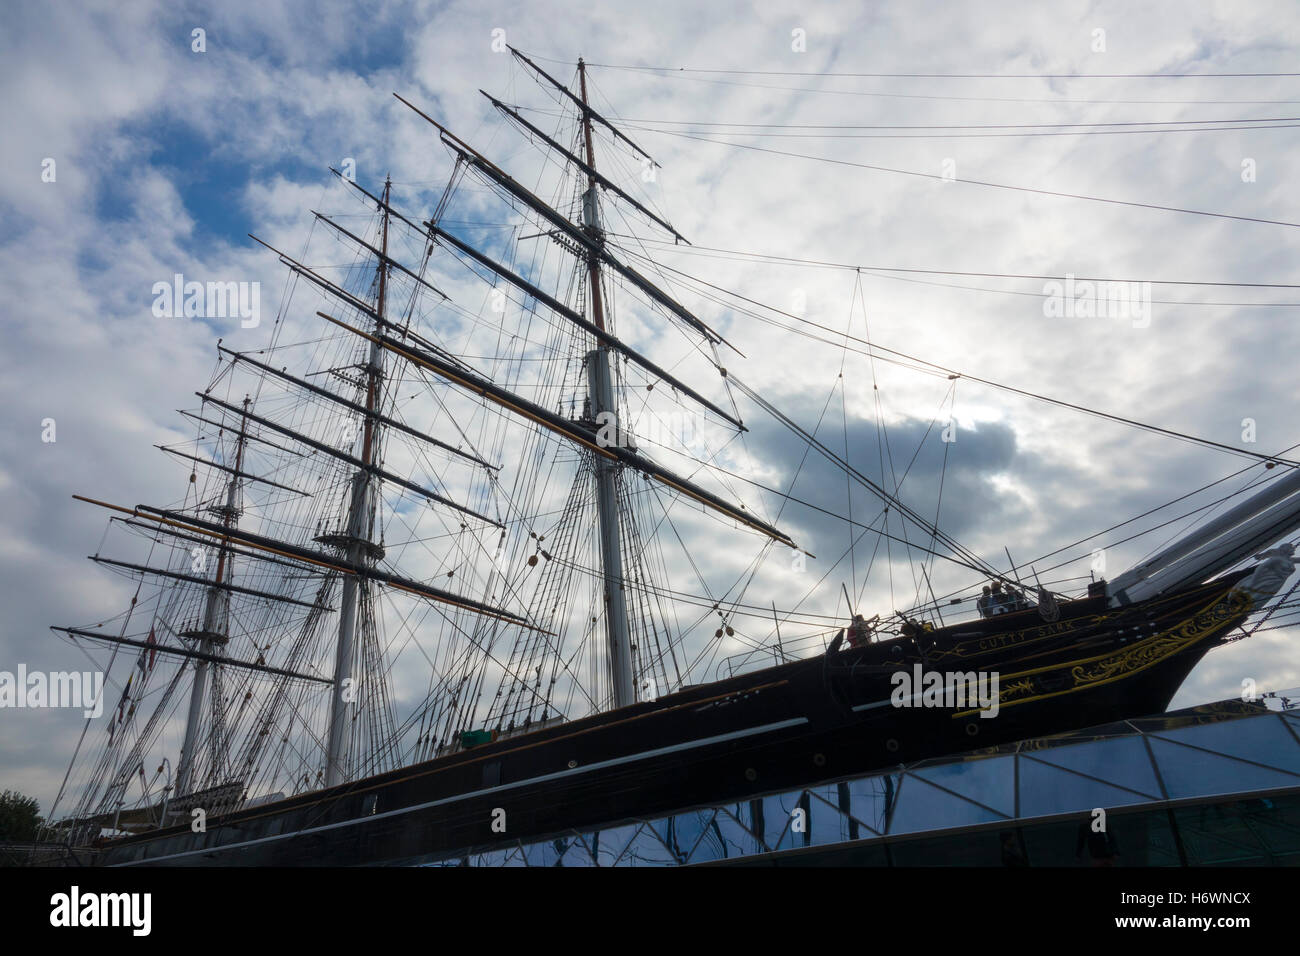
<point x="859" y="632"/>
<point x="998" y="603"/>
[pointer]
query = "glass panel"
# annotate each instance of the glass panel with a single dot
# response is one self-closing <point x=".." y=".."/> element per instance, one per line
<point x="868" y="798"/>
<point x="1047" y="789"/>
<point x="744" y="814"/>
<point x="1189" y="773"/>
<point x="777" y="810"/>
<point x="798" y="831"/>
<point x="492" y="858"/>
<point x="1257" y="832"/>
<point x="680" y="833"/>
<point x="828" y="792"/>
<point x="1261" y="739"/>
<point x="990" y="781"/>
<point x="827" y="825"/>
<point x="515" y="856"/>
<point x="1161" y="845"/>
<point x="550" y="852"/>
<point x="1217" y="835"/>
<point x="1277" y="821"/>
<point x="746" y="843"/>
<point x="646" y="849"/>
<point x="578" y="854"/>
<point x="725" y="839"/>
<point x="922" y="806"/>
<point x="1131" y="839"/>
<point x="1123" y="761"/>
<point x="608" y="845"/>
<point x="1119" y="728"/>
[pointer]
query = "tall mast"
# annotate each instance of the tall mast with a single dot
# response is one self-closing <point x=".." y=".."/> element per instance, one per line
<point x="357" y="544"/>
<point x="215" y="630"/>
<point x="601" y="392"/>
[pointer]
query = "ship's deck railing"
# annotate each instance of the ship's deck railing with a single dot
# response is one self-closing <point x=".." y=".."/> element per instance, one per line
<point x="956" y="611"/>
<point x="779" y="652"/>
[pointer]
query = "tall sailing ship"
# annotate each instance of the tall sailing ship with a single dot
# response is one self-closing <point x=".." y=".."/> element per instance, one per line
<point x="443" y="456"/>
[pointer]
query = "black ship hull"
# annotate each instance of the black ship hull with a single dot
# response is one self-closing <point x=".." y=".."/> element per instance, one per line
<point x="786" y="726"/>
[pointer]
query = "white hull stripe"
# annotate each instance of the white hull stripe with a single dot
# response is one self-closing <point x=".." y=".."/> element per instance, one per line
<point x="645" y="755"/>
<point x="886" y="702"/>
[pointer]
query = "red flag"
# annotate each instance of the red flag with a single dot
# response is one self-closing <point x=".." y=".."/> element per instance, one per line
<point x="153" y="653"/>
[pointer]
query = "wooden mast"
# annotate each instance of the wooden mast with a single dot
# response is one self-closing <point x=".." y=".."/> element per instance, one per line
<point x="214" y="631"/>
<point x="358" y="546"/>
<point x="605" y="409"/>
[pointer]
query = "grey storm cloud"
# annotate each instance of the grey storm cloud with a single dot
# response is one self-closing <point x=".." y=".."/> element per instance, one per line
<point x="907" y="458"/>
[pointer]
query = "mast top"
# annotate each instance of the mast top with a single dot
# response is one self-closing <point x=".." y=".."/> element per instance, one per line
<point x="581" y="104"/>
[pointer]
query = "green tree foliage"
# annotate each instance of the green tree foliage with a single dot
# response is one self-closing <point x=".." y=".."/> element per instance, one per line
<point x="19" y="817"/>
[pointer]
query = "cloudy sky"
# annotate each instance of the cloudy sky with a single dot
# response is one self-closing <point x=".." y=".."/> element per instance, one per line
<point x="782" y="130"/>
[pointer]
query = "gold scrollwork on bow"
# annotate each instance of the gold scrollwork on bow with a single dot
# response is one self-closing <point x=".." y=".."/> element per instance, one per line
<point x="1157" y="648"/>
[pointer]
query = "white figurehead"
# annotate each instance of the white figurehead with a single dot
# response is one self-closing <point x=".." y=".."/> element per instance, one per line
<point x="1275" y="567"/>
